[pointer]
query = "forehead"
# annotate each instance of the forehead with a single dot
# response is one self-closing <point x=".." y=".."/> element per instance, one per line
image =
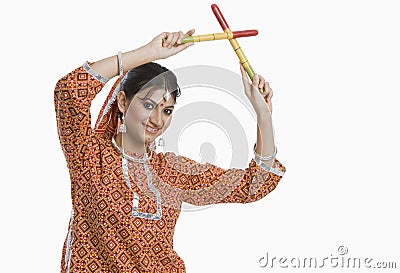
<point x="158" y="95"/>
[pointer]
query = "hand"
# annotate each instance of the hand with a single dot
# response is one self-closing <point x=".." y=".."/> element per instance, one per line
<point x="171" y="46"/>
<point x="261" y="102"/>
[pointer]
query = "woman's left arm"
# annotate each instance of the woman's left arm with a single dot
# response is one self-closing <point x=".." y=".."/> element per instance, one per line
<point x="204" y="184"/>
<point x="263" y="107"/>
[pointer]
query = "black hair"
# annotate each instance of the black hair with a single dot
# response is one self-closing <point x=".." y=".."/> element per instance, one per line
<point x="150" y="76"/>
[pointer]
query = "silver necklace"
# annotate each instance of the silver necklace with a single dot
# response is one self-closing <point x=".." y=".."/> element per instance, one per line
<point x="124" y="154"/>
<point x="135" y="201"/>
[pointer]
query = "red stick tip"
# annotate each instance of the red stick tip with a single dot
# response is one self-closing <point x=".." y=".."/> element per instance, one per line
<point x="244" y="33"/>
<point x="219" y="16"/>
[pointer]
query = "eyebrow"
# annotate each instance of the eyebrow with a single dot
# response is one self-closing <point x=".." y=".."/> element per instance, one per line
<point x="171" y="106"/>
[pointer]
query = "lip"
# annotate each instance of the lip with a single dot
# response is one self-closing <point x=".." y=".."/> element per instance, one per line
<point x="151" y="132"/>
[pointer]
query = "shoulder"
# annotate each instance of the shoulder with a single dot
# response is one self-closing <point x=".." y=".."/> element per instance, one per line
<point x="173" y="158"/>
<point x="183" y="164"/>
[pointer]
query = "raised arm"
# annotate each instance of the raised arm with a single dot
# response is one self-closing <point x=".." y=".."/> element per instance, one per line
<point x="74" y="92"/>
<point x="204" y="184"/>
<point x="154" y="50"/>
<point x="108" y="67"/>
<point x="73" y="95"/>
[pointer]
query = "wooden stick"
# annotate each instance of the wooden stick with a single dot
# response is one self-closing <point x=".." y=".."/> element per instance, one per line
<point x="218" y="36"/>
<point x="235" y="45"/>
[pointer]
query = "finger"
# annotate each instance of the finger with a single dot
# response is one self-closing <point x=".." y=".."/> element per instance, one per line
<point x="171" y="41"/>
<point x="174" y="39"/>
<point x="166" y="39"/>
<point x="267" y="89"/>
<point x="243" y="71"/>
<point x="261" y="86"/>
<point x="181" y="35"/>
<point x="179" y="44"/>
<point x="164" y="36"/>
<point x="245" y="79"/>
<point x="255" y="82"/>
<point x="256" y="79"/>
<point x="188" y="44"/>
<point x="262" y="81"/>
<point x="177" y="35"/>
<point x="269" y="104"/>
<point x="270" y="95"/>
<point x="190" y="32"/>
<point x="180" y="47"/>
<point x="169" y="38"/>
<point x="267" y="94"/>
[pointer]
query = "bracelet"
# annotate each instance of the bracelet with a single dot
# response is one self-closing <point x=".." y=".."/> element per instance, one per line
<point x="264" y="157"/>
<point x="121" y="68"/>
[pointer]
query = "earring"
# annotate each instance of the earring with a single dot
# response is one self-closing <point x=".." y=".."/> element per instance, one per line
<point x="122" y="126"/>
<point x="161" y="142"/>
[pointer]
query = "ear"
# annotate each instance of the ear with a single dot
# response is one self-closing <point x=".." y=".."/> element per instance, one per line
<point x="122" y="101"/>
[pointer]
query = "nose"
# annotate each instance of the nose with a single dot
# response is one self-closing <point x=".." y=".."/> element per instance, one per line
<point x="156" y="118"/>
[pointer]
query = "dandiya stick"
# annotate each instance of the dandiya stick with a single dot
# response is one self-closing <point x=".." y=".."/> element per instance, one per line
<point x="218" y="36"/>
<point x="235" y="45"/>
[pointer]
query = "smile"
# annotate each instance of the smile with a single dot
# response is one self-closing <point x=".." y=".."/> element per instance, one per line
<point x="151" y="129"/>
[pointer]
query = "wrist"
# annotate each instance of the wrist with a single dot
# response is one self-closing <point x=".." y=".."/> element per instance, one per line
<point x="264" y="117"/>
<point x="151" y="52"/>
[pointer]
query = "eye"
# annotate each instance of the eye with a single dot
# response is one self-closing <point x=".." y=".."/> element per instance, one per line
<point x="168" y="111"/>
<point x="148" y="105"/>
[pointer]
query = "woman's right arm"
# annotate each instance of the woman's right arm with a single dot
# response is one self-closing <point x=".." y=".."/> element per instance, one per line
<point x="152" y="51"/>
<point x="108" y="67"/>
<point x="75" y="91"/>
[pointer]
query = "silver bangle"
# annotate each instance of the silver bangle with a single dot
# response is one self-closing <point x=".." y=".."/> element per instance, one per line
<point x="264" y="157"/>
<point x="121" y="68"/>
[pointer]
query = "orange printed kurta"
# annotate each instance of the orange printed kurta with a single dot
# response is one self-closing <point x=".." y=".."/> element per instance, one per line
<point x="103" y="235"/>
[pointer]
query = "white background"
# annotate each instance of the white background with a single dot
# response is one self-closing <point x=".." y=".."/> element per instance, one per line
<point x="334" y="68"/>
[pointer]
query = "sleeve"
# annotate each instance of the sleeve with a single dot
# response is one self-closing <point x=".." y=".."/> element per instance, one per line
<point x="205" y="184"/>
<point x="73" y="95"/>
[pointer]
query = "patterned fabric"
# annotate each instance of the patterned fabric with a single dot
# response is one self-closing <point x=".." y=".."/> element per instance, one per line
<point x="103" y="236"/>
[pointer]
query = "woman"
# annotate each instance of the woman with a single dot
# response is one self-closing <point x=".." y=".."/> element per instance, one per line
<point x="126" y="197"/>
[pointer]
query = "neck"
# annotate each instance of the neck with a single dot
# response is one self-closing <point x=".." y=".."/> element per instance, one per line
<point x="131" y="147"/>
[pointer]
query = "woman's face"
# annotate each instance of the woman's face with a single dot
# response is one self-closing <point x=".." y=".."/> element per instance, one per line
<point x="147" y="118"/>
